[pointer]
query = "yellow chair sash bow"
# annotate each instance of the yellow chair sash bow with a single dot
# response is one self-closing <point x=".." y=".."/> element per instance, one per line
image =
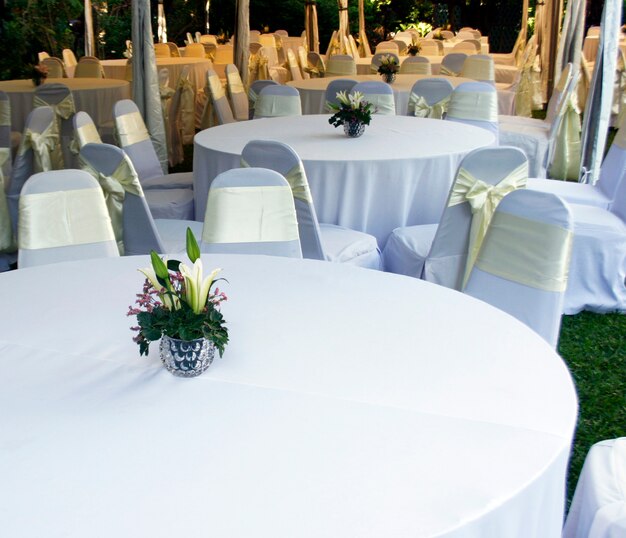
<point x="64" y="109"/>
<point x="296" y="177"/>
<point x="131" y="129"/>
<point x="477" y="106"/>
<point x="123" y="179"/>
<point x="443" y="70"/>
<point x="523" y="95"/>
<point x="42" y="144"/>
<point x="483" y="199"/>
<point x="422" y="109"/>
<point x="566" y="161"/>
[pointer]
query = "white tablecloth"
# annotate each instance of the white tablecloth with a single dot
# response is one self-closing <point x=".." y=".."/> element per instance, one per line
<point x="95" y="96"/>
<point x="399" y="172"/>
<point x="342" y="407"/>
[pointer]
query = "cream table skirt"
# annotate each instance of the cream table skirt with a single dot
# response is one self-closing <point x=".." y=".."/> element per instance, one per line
<point x="348" y="403"/>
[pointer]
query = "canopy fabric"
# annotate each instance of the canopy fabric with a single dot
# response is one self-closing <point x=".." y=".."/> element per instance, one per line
<point x="161" y="23"/>
<point x="242" y="39"/>
<point x="310" y="25"/>
<point x="600" y="97"/>
<point x="145" y="78"/>
<point x="90" y="48"/>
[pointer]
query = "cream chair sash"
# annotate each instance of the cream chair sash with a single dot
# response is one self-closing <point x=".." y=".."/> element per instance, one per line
<point x="115" y="186"/>
<point x="422" y="109"/>
<point x="187" y="113"/>
<point x="483" y="199"/>
<point x="342" y="67"/>
<point x="476" y="106"/>
<point x="272" y="220"/>
<point x="523" y="95"/>
<point x="543" y="250"/>
<point x="277" y="105"/>
<point x="64" y="109"/>
<point x="443" y="70"/>
<point x="234" y="81"/>
<point x="41" y="227"/>
<point x="479" y="69"/>
<point x="383" y="103"/>
<point x="42" y="144"/>
<point x="131" y="129"/>
<point x="566" y="160"/>
<point x="85" y="134"/>
<point x="296" y="177"/>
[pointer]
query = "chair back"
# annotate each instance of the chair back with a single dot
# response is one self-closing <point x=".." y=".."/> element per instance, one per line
<point x="162" y="50"/>
<point x="89" y="67"/>
<point x="208" y="39"/>
<point x="353" y="47"/>
<point x="340" y="65"/>
<point x="524" y="260"/>
<point x="251" y="211"/>
<point x="379" y="57"/>
<point x="217" y="110"/>
<point x="387" y="46"/>
<point x="6" y="164"/>
<point x="224" y="54"/>
<point x="558" y="93"/>
<point x="594" y="31"/>
<point x="85" y="130"/>
<point x="55" y="66"/>
<point x="195" y="50"/>
<point x="316" y="65"/>
<point x="429" y="98"/>
<point x="429" y="47"/>
<point x="476" y="47"/>
<point x="42" y="56"/>
<point x="254" y="36"/>
<point x="189" y="39"/>
<point x="174" y="52"/>
<point x="303" y="62"/>
<point x="254" y="90"/>
<point x="402" y="46"/>
<point x="475" y="103"/>
<point x="452" y="64"/>
<point x="237" y="93"/>
<point x="283" y="159"/>
<point x="406" y="37"/>
<point x="134" y="139"/>
<point x="479" y="67"/>
<point x="63" y="217"/>
<point x="294" y="68"/>
<point x="180" y="118"/>
<point x="267" y="40"/>
<point x="69" y="58"/>
<point x="447" y="34"/>
<point x="338" y="85"/>
<point x="466" y="216"/>
<point x="379" y="94"/>
<point x="282" y="33"/>
<point x="415" y="65"/>
<point x="133" y="225"/>
<point x="274" y="101"/>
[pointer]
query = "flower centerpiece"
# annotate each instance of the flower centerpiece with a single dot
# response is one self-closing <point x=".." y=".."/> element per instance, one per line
<point x="413" y="49"/>
<point x="178" y="306"/>
<point x="438" y="35"/>
<point x="39" y="74"/>
<point x="351" y="111"/>
<point x="388" y="67"/>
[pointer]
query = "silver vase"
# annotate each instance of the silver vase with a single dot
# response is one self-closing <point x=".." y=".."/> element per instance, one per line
<point x="186" y="358"/>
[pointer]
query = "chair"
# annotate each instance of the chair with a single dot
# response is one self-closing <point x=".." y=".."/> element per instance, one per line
<point x="195" y="50"/>
<point x="217" y="110"/>
<point x="59" y="98"/>
<point x="282" y="33"/>
<point x="429" y="98"/>
<point x="597" y="509"/>
<point x="479" y="67"/>
<point x="510" y="58"/>
<point x="237" y="93"/>
<point x="430" y="47"/>
<point x="9" y="140"/>
<point x="594" y="31"/>
<point x="338" y="85"/>
<point x="41" y="56"/>
<point x="189" y="39"/>
<point x="303" y="62"/>
<point x="600" y="194"/>
<point x="209" y="39"/>
<point x="475" y="103"/>
<point x="180" y="118"/>
<point x="386" y="47"/>
<point x="224" y="54"/>
<point x="63" y="217"/>
<point x="162" y="50"/>
<point x="378" y="58"/>
<point x="174" y="52"/>
<point x="379" y="94"/>
<point x="443" y="253"/>
<point x="319" y="241"/>
<point x="415" y="65"/>
<point x="253" y="93"/>
<point x="135" y="230"/>
<point x="7" y="242"/>
<point x="340" y="65"/>
<point x="85" y="130"/>
<point x="55" y="66"/>
<point x="251" y="211"/>
<point x="294" y="68"/>
<point x="176" y="199"/>
<point x="471" y="46"/>
<point x="254" y="36"/>
<point x="89" y="67"/>
<point x="452" y="64"/>
<point x="315" y="65"/>
<point x="447" y="34"/>
<point x="70" y="61"/>
<point x="274" y="101"/>
<point x="524" y="259"/>
<point x="402" y="46"/>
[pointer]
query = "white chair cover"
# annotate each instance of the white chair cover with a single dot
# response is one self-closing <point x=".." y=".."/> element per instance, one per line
<point x="217" y="110"/>
<point x="162" y="50"/>
<point x="69" y="58"/>
<point x="6" y="138"/>
<point x="135" y="229"/>
<point x="378" y="58"/>
<point x="319" y="242"/>
<point x="464" y="46"/>
<point x="88" y="67"/>
<point x="315" y="65"/>
<point x="598" y="509"/>
<point x="237" y="93"/>
<point x="429" y="98"/>
<point x="303" y="62"/>
<point x="440" y="253"/>
<point x="274" y="101"/>
<point x="523" y="264"/>
<point x="338" y="85"/>
<point x="63" y="217"/>
<point x="174" y="52"/>
<point x="479" y="67"/>
<point x="85" y="130"/>
<point x="253" y="93"/>
<point x="7" y="242"/>
<point x="340" y="65"/>
<point x="475" y="103"/>
<point x="55" y="66"/>
<point x="416" y="65"/>
<point x="387" y="46"/>
<point x="294" y="68"/>
<point x="251" y="211"/>
<point x="180" y="119"/>
<point x="452" y="64"/>
<point x="195" y="50"/>
<point x="378" y="94"/>
<point x="429" y="47"/>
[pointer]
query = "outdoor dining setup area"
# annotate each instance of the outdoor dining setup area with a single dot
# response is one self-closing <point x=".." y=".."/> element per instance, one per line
<point x="255" y="286"/>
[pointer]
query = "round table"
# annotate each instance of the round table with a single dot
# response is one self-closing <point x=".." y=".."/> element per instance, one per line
<point x="96" y="96"/>
<point x="398" y="173"/>
<point x="348" y="403"/>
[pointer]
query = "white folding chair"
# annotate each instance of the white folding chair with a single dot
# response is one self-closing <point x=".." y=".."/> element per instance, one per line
<point x="379" y="94"/>
<point x="63" y="217"/>
<point x="598" y="508"/>
<point x="217" y="110"/>
<point x="452" y="64"/>
<point x="338" y="85"/>
<point x="340" y="65"/>
<point x="415" y="65"/>
<point x="318" y="241"/>
<point x="475" y="103"/>
<point x="251" y="211"/>
<point x="429" y="98"/>
<point x="275" y="101"/>
<point x="237" y="93"/>
<point x="135" y="230"/>
<point x="443" y="253"/>
<point x="523" y="262"/>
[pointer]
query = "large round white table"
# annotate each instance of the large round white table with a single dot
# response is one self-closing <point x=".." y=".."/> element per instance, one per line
<point x="398" y="173"/>
<point x="348" y="403"/>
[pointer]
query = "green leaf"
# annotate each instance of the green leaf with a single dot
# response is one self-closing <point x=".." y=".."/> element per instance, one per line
<point x="173" y="265"/>
<point x="193" y="250"/>
<point x="160" y="270"/>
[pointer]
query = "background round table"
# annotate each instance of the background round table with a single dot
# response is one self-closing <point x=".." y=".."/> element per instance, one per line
<point x="96" y="96"/>
<point x="348" y="403"/>
<point x="398" y="173"/>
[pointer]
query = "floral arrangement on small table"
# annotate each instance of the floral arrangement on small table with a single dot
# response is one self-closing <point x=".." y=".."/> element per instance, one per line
<point x="39" y="74"/>
<point x="351" y="111"/>
<point x="388" y="68"/>
<point x="413" y="49"/>
<point x="178" y="306"/>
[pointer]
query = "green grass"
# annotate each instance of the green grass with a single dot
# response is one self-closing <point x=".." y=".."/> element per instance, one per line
<point x="594" y="348"/>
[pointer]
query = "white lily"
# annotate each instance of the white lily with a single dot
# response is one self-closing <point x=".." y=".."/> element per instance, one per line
<point x="169" y="302"/>
<point x="196" y="289"/>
